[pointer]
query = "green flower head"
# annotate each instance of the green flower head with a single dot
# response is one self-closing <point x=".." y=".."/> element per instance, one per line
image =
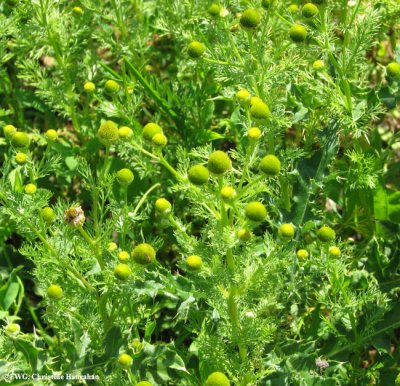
<point x="125" y="361"/>
<point x="219" y="162"/>
<point x="302" y="254"/>
<point x="108" y="133"/>
<point x="198" y="175"/>
<point x="111" y="86"/>
<point x="326" y="234"/>
<point x="125" y="176"/>
<point x="125" y="132"/>
<point x="393" y="70"/>
<point x="150" y="130"/>
<point x="298" y="33"/>
<point x="214" y="10"/>
<point x="55" y="292"/>
<point x="286" y="231"/>
<point x="217" y="379"/>
<point x="163" y="206"/>
<point x="89" y="87"/>
<point x="144" y="254"/>
<point x="21" y="158"/>
<point x="270" y="165"/>
<point x="260" y="111"/>
<point x="250" y="18"/>
<point x="159" y="140"/>
<point x="122" y="272"/>
<point x="256" y="211"/>
<point x="194" y="263"/>
<point x="196" y="49"/>
<point x="9" y="130"/>
<point x="47" y="215"/>
<point x="20" y="140"/>
<point x="309" y="10"/>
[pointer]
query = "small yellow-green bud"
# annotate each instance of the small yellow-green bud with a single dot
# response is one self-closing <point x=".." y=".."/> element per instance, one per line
<point x="9" y="130"/>
<point x="144" y="383"/>
<point x="108" y="133"/>
<point x="123" y="256"/>
<point x="256" y="211"/>
<point x="125" y="361"/>
<point x="214" y="10"/>
<point x="334" y="251"/>
<point x="194" y="263"/>
<point x="309" y="10"/>
<point x="30" y="188"/>
<point x="293" y="8"/>
<point x="318" y="65"/>
<point x="51" y="135"/>
<point x="219" y="162"/>
<point x="55" y="292"/>
<point x="159" y="140"/>
<point x="111" y="247"/>
<point x="163" y="206"/>
<point x="326" y="234"/>
<point x="228" y="193"/>
<point x="144" y="254"/>
<point x="260" y="111"/>
<point x="250" y="18"/>
<point x="298" y="33"/>
<point x="125" y="132"/>
<point x="217" y="379"/>
<point x="122" y="272"/>
<point x="244" y="234"/>
<point x="254" y="133"/>
<point x="20" y="140"/>
<point x="196" y="49"/>
<point x="270" y="165"/>
<point x="111" y="86"/>
<point x="198" y="175"/>
<point x="13" y="328"/>
<point x="254" y="100"/>
<point x="89" y="87"/>
<point x="125" y="176"/>
<point x="302" y="254"/>
<point x="77" y="10"/>
<point x="286" y="231"/>
<point x="47" y="214"/>
<point x="150" y="130"/>
<point x="243" y="96"/>
<point x="393" y="70"/>
<point x="20" y="158"/>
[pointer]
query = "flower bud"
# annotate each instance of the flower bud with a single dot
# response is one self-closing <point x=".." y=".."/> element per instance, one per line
<point x="89" y="87"/>
<point x="217" y="379"/>
<point x="214" y="10"/>
<point x="198" y="175"/>
<point x="122" y="272"/>
<point x="196" y="49"/>
<point x="244" y="235"/>
<point x="219" y="162"/>
<point x="150" y="130"/>
<point x="20" y="158"/>
<point x="111" y="86"/>
<point x="163" y="206"/>
<point x="20" y="140"/>
<point x="159" y="140"/>
<point x="302" y="254"/>
<point x="47" y="215"/>
<point x="125" y="132"/>
<point x="77" y="11"/>
<point x="256" y="211"/>
<point x="30" y="188"/>
<point x="125" y="361"/>
<point x="260" y="111"/>
<point x="254" y="133"/>
<point x="286" y="231"/>
<point x="228" y="193"/>
<point x="393" y="70"/>
<point x="270" y="165"/>
<point x="250" y="19"/>
<point x="51" y="135"/>
<point x="13" y="328"/>
<point x="125" y="177"/>
<point x="144" y="254"/>
<point x="108" y="133"/>
<point x="111" y="247"/>
<point x="326" y="234"/>
<point x="309" y="10"/>
<point x="318" y="65"/>
<point x="123" y="256"/>
<point x="55" y="292"/>
<point x="194" y="263"/>
<point x="293" y="8"/>
<point x="298" y="33"/>
<point x="9" y="130"/>
<point x="334" y="251"/>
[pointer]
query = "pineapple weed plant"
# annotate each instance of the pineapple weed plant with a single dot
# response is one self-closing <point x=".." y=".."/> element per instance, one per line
<point x="198" y="193"/>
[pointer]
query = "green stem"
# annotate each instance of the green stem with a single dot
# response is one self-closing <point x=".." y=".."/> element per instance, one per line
<point x="93" y="245"/>
<point x="179" y="228"/>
